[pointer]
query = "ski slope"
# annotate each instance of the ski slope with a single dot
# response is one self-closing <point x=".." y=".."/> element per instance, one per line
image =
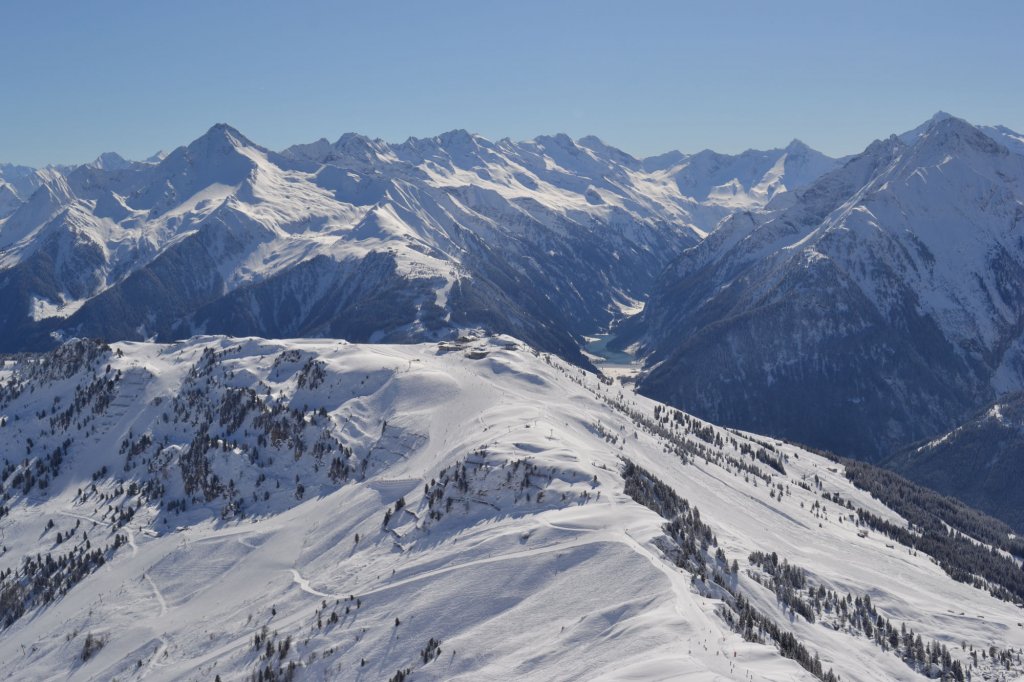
<point x="539" y="567"/>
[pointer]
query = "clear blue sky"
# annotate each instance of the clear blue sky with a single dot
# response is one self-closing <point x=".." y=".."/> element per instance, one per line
<point x="135" y="76"/>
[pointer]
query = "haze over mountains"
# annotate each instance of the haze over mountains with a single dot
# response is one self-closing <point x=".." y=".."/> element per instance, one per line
<point x="860" y="305"/>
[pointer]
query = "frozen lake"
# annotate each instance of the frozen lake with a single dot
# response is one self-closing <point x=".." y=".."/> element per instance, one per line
<point x="618" y="364"/>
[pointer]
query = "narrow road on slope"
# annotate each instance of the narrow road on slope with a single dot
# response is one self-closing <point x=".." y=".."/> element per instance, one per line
<point x="83" y="517"/>
<point x="546" y="549"/>
<point x="304" y="586"/>
<point x="128" y="531"/>
<point x="131" y="540"/>
<point x="156" y="593"/>
<point x="162" y="649"/>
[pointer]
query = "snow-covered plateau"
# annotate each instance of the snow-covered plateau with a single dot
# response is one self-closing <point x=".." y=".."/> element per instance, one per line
<point x="239" y="508"/>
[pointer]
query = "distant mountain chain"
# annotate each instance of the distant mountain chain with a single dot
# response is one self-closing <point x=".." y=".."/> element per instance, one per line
<point x="862" y="305"/>
<point x="362" y="239"/>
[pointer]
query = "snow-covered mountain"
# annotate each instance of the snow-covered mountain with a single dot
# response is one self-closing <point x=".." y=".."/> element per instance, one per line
<point x="748" y="181"/>
<point x="24" y="180"/>
<point x="17" y="183"/>
<point x="978" y="461"/>
<point x="876" y="307"/>
<point x="546" y="239"/>
<point x="312" y="509"/>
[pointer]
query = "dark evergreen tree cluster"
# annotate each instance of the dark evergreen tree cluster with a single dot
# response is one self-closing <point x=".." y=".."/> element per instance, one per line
<point x="923" y="507"/>
<point x="755" y="626"/>
<point x="240" y="415"/>
<point x="762" y="455"/>
<point x="966" y="536"/>
<point x="44" y="577"/>
<point x="254" y="426"/>
<point x="312" y="374"/>
<point x="857" y="614"/>
<point x="688" y="437"/>
<point x="786" y="581"/>
<point x="91" y="646"/>
<point x="960" y="557"/>
<point x="431" y="651"/>
<point x="968" y="545"/>
<point x="691" y="539"/>
<point x="272" y="651"/>
<point x="480" y="475"/>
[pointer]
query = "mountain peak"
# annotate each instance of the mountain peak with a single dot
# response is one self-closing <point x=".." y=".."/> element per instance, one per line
<point x="604" y="150"/>
<point x="948" y="120"/>
<point x="358" y="148"/>
<point x="110" y="161"/>
<point x="592" y="142"/>
<point x="939" y="117"/>
<point x="663" y="161"/>
<point x="950" y="132"/>
<point x="221" y="140"/>
<point x="457" y="135"/>
<point x="457" y="140"/>
<point x="223" y="128"/>
<point x="352" y="138"/>
<point x="221" y="134"/>
<point x="796" y="146"/>
<point x="558" y="140"/>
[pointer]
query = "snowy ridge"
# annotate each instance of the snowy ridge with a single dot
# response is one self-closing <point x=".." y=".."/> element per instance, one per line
<point x="459" y="510"/>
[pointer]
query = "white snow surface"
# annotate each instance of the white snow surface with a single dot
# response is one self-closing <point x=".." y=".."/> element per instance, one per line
<point x="570" y="587"/>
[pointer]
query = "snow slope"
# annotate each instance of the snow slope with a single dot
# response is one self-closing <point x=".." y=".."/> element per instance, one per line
<point x="359" y="501"/>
